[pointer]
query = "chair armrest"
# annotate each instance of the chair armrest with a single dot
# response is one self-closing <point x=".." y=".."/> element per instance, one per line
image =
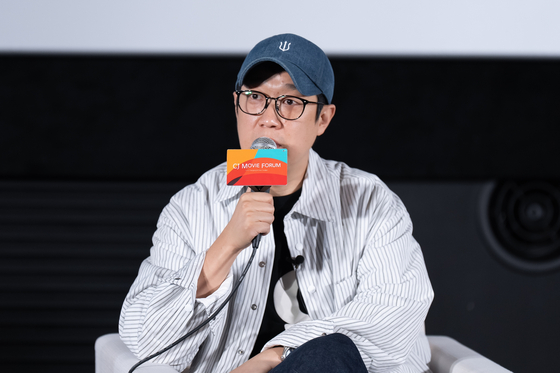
<point x="112" y="356"/>
<point x="450" y="356"/>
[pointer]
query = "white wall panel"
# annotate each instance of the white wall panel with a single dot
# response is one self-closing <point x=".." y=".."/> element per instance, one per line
<point x="362" y="27"/>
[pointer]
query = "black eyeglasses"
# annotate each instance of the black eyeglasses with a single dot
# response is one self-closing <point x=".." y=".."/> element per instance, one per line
<point x="287" y="107"/>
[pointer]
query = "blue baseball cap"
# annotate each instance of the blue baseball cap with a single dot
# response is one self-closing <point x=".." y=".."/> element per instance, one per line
<point x="307" y="64"/>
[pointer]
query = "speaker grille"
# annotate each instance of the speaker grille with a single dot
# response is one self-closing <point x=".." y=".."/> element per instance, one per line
<point x="523" y="224"/>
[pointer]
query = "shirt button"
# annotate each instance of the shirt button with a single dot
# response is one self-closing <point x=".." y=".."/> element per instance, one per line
<point x="262" y="264"/>
<point x="254" y="307"/>
<point x="311" y="289"/>
<point x="299" y="246"/>
<point x="240" y="352"/>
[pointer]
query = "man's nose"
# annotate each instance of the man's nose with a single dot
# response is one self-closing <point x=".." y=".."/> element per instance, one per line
<point x="270" y="117"/>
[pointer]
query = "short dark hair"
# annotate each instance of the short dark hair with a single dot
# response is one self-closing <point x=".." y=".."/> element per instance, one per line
<point x="261" y="72"/>
<point x="264" y="70"/>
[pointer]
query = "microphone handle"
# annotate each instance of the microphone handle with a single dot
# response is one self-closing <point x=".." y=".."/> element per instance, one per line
<point x="257" y="240"/>
<point x="262" y="188"/>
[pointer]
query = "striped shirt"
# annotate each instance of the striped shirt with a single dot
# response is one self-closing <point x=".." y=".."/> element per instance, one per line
<point x="363" y="275"/>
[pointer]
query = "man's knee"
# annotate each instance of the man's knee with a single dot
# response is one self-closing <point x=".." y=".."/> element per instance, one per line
<point x="334" y="343"/>
<point x="330" y="353"/>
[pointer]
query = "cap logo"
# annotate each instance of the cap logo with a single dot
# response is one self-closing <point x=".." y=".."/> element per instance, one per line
<point x="286" y="46"/>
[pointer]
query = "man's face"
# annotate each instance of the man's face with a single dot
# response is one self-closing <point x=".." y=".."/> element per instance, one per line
<point x="295" y="135"/>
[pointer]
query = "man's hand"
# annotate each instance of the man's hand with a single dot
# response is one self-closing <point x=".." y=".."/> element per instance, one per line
<point x="261" y="363"/>
<point x="253" y="214"/>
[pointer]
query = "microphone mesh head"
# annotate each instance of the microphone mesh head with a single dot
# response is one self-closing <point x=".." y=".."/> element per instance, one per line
<point x="263" y="143"/>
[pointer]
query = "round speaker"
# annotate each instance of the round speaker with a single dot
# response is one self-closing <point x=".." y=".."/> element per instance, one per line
<point x="521" y="223"/>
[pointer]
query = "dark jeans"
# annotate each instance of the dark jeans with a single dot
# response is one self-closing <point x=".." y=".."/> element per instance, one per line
<point x="334" y="353"/>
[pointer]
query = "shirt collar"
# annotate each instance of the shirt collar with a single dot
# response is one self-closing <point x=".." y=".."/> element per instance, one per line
<point x="228" y="192"/>
<point x="320" y="191"/>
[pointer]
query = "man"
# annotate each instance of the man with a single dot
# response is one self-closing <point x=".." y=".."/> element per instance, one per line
<point x="338" y="284"/>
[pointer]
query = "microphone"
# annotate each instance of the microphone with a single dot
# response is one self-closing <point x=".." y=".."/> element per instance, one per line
<point x="261" y="143"/>
<point x="264" y="143"/>
<point x="297" y="260"/>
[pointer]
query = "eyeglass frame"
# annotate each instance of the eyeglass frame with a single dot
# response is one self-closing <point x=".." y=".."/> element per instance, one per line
<point x="276" y="108"/>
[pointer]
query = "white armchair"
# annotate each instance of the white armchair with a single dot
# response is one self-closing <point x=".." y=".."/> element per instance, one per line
<point x="448" y="356"/>
<point x="112" y="356"/>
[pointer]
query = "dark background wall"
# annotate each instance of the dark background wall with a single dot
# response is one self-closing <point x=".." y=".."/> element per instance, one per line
<point x="92" y="147"/>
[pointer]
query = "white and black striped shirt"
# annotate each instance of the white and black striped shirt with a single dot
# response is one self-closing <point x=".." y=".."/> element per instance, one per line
<point x="363" y="275"/>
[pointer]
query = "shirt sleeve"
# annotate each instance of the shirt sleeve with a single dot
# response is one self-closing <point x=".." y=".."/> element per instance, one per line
<point x="385" y="315"/>
<point x="161" y="305"/>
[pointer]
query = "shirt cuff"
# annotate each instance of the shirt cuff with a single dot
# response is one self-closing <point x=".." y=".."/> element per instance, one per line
<point x="300" y="333"/>
<point x="213" y="301"/>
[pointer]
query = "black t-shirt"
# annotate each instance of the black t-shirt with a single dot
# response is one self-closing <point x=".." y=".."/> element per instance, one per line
<point x="272" y="323"/>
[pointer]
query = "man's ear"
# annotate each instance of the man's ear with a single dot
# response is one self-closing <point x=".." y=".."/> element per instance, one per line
<point x="327" y="113"/>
